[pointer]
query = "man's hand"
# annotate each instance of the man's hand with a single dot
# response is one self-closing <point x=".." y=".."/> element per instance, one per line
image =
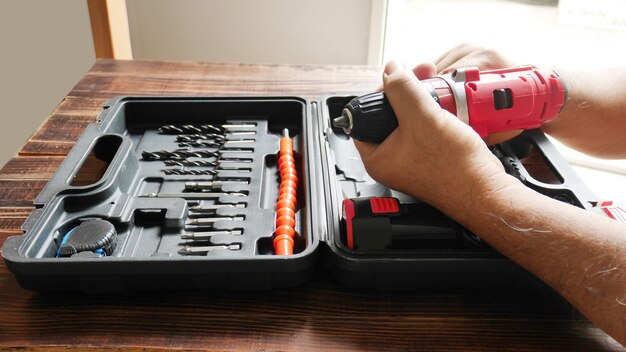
<point x="432" y="154"/>
<point x="467" y="55"/>
<point x="463" y="56"/>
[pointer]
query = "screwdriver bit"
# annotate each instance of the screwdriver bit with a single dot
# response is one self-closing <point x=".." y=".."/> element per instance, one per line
<point x="191" y="185"/>
<point x="200" y="236"/>
<point x="192" y="250"/>
<point x="200" y="195"/>
<point x="212" y="208"/>
<point x="211" y="221"/>
<point x="184" y="129"/>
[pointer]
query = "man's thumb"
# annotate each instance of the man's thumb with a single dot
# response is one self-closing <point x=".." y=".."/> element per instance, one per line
<point x="408" y="97"/>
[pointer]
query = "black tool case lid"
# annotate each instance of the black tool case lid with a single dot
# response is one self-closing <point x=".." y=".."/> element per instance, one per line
<point x="149" y="229"/>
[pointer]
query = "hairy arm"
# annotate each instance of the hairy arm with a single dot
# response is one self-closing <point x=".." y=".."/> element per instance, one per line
<point x="580" y="254"/>
<point x="435" y="157"/>
<point x="594" y="118"/>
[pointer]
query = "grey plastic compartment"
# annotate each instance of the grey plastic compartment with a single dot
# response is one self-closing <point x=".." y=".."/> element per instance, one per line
<point x="530" y="157"/>
<point x="149" y="228"/>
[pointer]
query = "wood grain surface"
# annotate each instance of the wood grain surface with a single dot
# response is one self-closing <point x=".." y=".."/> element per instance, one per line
<point x="320" y="315"/>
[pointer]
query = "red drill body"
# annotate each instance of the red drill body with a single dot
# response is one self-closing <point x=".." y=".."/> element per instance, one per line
<point x="489" y="101"/>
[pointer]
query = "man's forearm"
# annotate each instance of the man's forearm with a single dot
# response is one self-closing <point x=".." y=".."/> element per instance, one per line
<point x="580" y="254"/>
<point x="594" y="117"/>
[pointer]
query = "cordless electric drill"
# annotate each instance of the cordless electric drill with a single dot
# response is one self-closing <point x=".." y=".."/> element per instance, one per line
<point x="489" y="101"/>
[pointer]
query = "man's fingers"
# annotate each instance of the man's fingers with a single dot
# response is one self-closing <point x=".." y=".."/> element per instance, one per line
<point x="458" y="52"/>
<point x="483" y="58"/>
<point x="406" y="94"/>
<point x="453" y="55"/>
<point x="425" y="70"/>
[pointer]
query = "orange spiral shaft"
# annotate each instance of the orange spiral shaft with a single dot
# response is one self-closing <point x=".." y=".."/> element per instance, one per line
<point x="285" y="232"/>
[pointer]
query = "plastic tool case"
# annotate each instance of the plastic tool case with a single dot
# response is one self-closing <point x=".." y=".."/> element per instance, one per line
<point x="111" y="174"/>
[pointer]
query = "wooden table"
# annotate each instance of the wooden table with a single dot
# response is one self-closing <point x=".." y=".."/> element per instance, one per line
<point x="318" y="316"/>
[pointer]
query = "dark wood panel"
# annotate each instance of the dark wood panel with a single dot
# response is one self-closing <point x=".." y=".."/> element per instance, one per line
<point x="83" y="106"/>
<point x="30" y="168"/>
<point x="57" y="135"/>
<point x="19" y="193"/>
<point x="108" y="78"/>
<point x="11" y="220"/>
<point x="303" y="318"/>
<point x="110" y="86"/>
<point x="180" y="69"/>
<point x="52" y="148"/>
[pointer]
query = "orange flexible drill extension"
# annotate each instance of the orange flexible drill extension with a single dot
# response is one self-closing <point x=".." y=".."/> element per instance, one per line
<point x="287" y="198"/>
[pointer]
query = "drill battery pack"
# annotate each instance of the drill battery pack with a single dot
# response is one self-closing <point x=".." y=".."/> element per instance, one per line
<point x="249" y="193"/>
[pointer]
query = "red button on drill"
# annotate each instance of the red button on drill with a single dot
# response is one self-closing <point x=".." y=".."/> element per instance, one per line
<point x="384" y="205"/>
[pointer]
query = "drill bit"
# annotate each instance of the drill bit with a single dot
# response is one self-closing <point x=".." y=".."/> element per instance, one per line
<point x="217" y="185"/>
<point x="211" y="221"/>
<point x="223" y="144"/>
<point x="204" y="163"/>
<point x="189" y="172"/>
<point x="214" y="207"/>
<point x="218" y="138"/>
<point x="182" y="172"/>
<point x="197" y="196"/>
<point x="192" y="250"/>
<point x="178" y="154"/>
<point x="185" y="129"/>
<point x="203" y="236"/>
<point x="184" y="154"/>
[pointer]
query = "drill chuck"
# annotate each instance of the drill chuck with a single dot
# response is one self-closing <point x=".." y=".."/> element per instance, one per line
<point x="376" y="110"/>
<point x="489" y="101"/>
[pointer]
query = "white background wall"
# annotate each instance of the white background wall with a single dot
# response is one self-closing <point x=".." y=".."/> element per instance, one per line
<point x="269" y="31"/>
<point x="47" y="45"/>
<point x="46" y="48"/>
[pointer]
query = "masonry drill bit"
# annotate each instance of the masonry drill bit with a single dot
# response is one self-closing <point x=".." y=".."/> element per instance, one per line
<point x="191" y="195"/>
<point x="181" y="172"/>
<point x="213" y="220"/>
<point x="204" y="163"/>
<point x="178" y="154"/>
<point x="203" y="172"/>
<point x="192" y="250"/>
<point x="214" y="207"/>
<point x="184" y="154"/>
<point x="217" y="185"/>
<point x="185" y="129"/>
<point x="218" y="138"/>
<point x="203" y="236"/>
<point x="194" y="144"/>
<point x="222" y="144"/>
